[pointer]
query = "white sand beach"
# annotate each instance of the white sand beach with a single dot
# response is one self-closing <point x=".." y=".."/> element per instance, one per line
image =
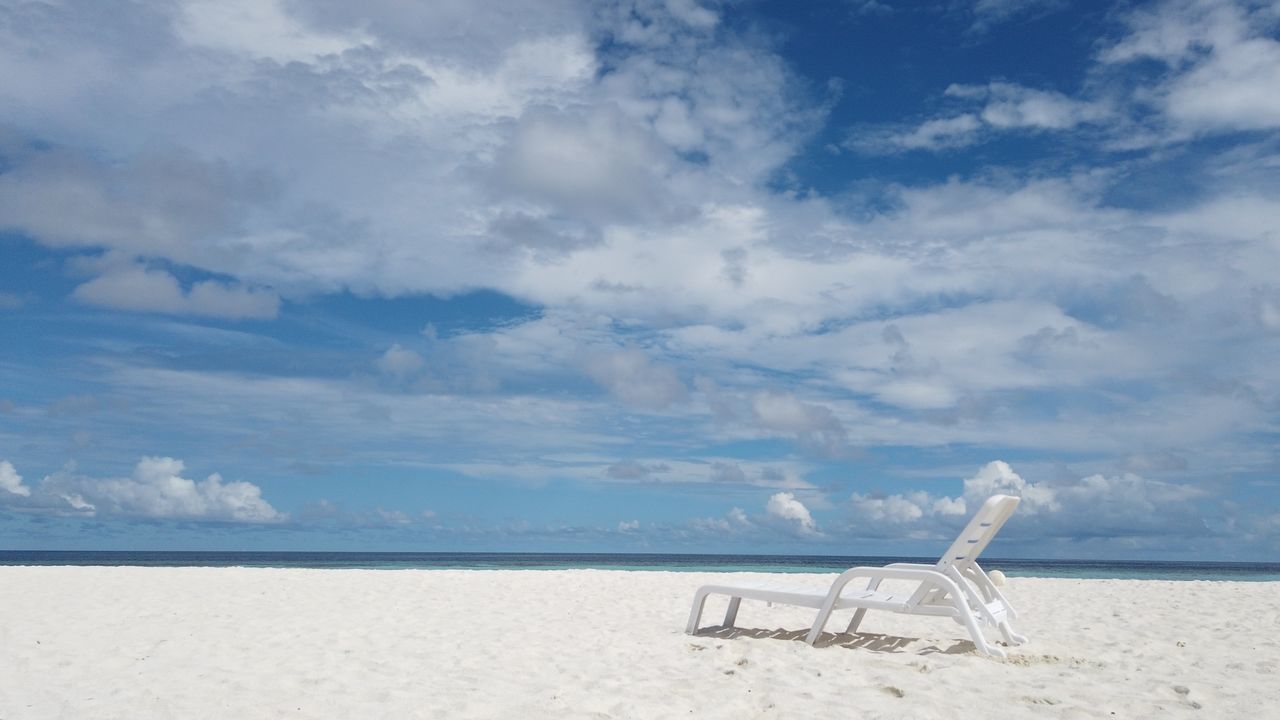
<point x="271" y="643"/>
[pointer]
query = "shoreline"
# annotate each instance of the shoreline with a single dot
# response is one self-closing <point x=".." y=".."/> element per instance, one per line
<point x="657" y="562"/>
<point x="264" y="642"/>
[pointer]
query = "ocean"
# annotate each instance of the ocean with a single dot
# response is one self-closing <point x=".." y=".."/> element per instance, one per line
<point x="1097" y="569"/>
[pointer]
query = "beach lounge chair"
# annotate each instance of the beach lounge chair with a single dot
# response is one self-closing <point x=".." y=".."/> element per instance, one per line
<point x="954" y="587"/>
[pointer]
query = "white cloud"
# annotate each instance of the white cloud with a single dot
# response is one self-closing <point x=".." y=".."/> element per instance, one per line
<point x="711" y="525"/>
<point x="1010" y="106"/>
<point x="626" y="526"/>
<point x="736" y="521"/>
<point x="1224" y="60"/>
<point x="11" y="481"/>
<point x="634" y="379"/>
<point x="995" y="107"/>
<point x="892" y="509"/>
<point x="814" y="425"/>
<point x="693" y="13"/>
<point x="156" y="489"/>
<point x="159" y="203"/>
<point x="1231" y="91"/>
<point x="137" y="288"/>
<point x="600" y="167"/>
<point x="914" y="514"/>
<point x="1125" y="505"/>
<point x="784" y="505"/>
<point x="262" y="121"/>
<point x="949" y="506"/>
<point x="997" y="478"/>
<point x="988" y="13"/>
<point x="1177" y="30"/>
<point x="400" y="362"/>
<point x="664" y="226"/>
<point x="776" y="413"/>
<point x="259" y="28"/>
<point x="935" y="134"/>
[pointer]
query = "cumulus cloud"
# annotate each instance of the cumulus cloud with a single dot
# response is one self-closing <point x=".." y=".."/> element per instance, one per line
<point x="399" y="362"/>
<point x="903" y="509"/>
<point x="599" y="167"/>
<point x="735" y="521"/>
<point x="151" y="290"/>
<point x="784" y="515"/>
<point x="1009" y="106"/>
<point x="162" y="202"/>
<point x="662" y="220"/>
<point x="155" y="489"/>
<point x="784" y="505"/>
<point x="1221" y="60"/>
<point x="11" y="481"/>
<point x="998" y="478"/>
<point x="1125" y="505"/>
<point x="1224" y="58"/>
<point x="531" y="122"/>
<point x="995" y="107"/>
<point x="711" y="525"/>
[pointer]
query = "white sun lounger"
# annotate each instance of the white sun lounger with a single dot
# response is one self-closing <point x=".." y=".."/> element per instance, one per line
<point x="954" y="587"/>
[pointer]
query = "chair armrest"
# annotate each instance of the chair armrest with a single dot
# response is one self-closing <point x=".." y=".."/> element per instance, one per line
<point x="893" y="572"/>
<point x="874" y="583"/>
<point x="978" y="577"/>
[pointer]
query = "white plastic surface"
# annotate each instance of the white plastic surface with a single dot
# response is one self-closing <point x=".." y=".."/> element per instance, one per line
<point x="954" y="587"/>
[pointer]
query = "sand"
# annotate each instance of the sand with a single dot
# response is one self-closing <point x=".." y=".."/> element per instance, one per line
<point x="267" y="643"/>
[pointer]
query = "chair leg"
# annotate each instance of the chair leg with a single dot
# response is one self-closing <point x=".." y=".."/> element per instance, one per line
<point x="695" y="613"/>
<point x="732" y="613"/>
<point x="975" y="632"/>
<point x="1010" y="636"/>
<point x="820" y="622"/>
<point x="856" y="621"/>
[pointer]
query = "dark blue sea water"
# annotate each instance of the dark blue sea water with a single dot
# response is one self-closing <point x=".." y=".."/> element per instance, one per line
<point x="1144" y="570"/>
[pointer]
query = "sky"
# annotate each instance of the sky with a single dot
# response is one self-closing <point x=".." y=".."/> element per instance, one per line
<point x="649" y="276"/>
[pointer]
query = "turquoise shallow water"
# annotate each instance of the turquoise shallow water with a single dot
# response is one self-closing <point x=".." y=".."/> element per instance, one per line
<point x="1098" y="569"/>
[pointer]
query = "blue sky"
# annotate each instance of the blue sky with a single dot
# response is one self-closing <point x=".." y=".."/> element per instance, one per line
<point x="650" y="276"/>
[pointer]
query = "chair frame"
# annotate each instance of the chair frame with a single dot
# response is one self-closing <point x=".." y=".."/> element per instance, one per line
<point x="956" y="587"/>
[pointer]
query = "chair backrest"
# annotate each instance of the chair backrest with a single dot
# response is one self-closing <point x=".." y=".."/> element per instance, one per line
<point x="982" y="528"/>
<point x="975" y="537"/>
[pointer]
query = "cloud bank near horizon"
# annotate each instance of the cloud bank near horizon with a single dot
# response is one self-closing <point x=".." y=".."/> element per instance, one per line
<point x="155" y="490"/>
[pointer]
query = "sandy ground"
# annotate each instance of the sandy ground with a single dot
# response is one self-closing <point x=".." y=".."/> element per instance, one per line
<point x="253" y="643"/>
